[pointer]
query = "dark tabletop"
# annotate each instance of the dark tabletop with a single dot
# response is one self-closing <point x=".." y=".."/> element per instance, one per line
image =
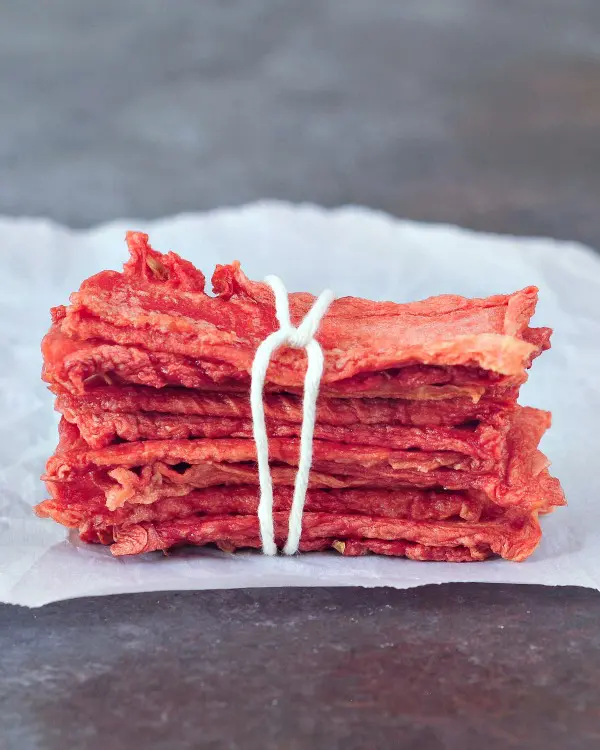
<point x="476" y="112"/>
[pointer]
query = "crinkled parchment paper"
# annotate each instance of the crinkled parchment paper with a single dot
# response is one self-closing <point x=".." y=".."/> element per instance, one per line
<point x="353" y="251"/>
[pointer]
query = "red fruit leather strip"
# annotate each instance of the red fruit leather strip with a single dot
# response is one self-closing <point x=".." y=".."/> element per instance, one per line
<point x="345" y="458"/>
<point x="101" y="429"/>
<point x="354" y="548"/>
<point x="75" y="504"/>
<point x="80" y="367"/>
<point x="520" y="478"/>
<point x="511" y="537"/>
<point x="283" y="407"/>
<point x="157" y="305"/>
<point x="348" y="548"/>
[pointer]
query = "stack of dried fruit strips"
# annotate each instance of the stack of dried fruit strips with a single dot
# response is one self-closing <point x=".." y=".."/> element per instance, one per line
<point x="420" y="448"/>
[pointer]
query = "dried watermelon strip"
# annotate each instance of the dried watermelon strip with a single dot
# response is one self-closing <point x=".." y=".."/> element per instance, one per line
<point x="281" y="407"/>
<point x="78" y="505"/>
<point x="101" y="429"/>
<point x="512" y="537"/>
<point x="156" y="307"/>
<point x="124" y="486"/>
<point x="412" y="551"/>
<point x="141" y="472"/>
<point x="327" y="456"/>
<point x="80" y="367"/>
<point x="347" y="548"/>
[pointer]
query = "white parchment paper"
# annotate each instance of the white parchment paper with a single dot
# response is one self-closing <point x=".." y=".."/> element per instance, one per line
<point x="353" y="251"/>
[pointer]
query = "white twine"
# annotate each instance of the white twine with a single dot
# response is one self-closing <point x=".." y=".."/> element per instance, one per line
<point x="298" y="338"/>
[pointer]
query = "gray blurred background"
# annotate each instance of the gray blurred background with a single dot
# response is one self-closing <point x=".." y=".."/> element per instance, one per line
<point x="477" y="112"/>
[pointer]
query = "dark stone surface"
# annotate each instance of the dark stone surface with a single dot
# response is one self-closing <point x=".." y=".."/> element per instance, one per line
<point x="459" y="666"/>
<point x="476" y="112"/>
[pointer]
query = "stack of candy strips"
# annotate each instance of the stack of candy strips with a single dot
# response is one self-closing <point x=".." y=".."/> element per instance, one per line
<point x="420" y="448"/>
